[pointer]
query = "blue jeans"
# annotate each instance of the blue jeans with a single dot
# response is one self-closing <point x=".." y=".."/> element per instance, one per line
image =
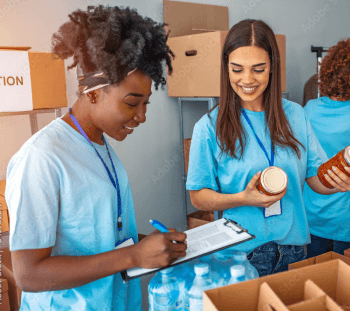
<point x="320" y="245"/>
<point x="271" y="258"/>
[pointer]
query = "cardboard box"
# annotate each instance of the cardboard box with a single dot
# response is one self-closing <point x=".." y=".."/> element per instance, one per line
<point x="332" y="277"/>
<point x="31" y="80"/>
<point x="14" y="292"/>
<point x="187" y="147"/>
<point x="4" y="216"/>
<point x="5" y="301"/>
<point x="2" y="187"/>
<point x="199" y="218"/>
<point x="197" y="35"/>
<point x="347" y="252"/>
<point x="319" y="259"/>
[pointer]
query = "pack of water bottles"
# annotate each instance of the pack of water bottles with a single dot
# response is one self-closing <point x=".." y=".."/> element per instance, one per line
<point x="181" y="287"/>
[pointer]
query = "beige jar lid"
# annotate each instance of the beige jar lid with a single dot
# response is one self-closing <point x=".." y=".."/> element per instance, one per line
<point x="274" y="179"/>
<point x="347" y="154"/>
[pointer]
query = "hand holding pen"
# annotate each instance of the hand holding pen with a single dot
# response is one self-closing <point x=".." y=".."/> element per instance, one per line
<point x="158" y="249"/>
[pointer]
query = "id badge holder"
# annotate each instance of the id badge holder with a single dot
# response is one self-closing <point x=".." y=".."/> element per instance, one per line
<point x="124" y="243"/>
<point x="274" y="210"/>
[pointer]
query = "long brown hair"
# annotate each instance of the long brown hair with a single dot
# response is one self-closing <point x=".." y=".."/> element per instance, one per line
<point x="229" y="127"/>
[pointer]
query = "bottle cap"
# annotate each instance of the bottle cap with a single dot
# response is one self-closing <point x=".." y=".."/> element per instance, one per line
<point x="274" y="179"/>
<point x="240" y="256"/>
<point x="201" y="269"/>
<point x="237" y="271"/>
<point x="167" y="271"/>
<point x="347" y="154"/>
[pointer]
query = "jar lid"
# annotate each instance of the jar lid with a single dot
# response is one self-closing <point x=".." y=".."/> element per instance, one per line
<point x="274" y="179"/>
<point x="240" y="256"/>
<point x="347" y="154"/>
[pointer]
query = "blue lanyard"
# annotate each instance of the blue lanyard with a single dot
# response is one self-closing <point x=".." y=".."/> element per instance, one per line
<point x="259" y="141"/>
<point x="115" y="183"/>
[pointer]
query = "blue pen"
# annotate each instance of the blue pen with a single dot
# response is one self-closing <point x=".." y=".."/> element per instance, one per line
<point x="158" y="225"/>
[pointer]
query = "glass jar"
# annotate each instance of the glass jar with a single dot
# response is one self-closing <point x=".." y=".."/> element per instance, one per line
<point x="273" y="180"/>
<point x="340" y="160"/>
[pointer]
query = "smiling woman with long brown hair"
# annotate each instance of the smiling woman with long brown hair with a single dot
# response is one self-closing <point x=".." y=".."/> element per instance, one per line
<point x="251" y="129"/>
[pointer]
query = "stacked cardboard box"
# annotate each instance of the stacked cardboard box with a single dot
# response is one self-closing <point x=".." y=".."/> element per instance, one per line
<point x="321" y="286"/>
<point x="197" y="35"/>
<point x="4" y="299"/>
<point x="13" y="290"/>
<point x="4" y="216"/>
<point x="31" y="80"/>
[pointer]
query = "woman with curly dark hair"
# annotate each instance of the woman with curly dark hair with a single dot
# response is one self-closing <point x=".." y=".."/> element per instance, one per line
<point x="69" y="196"/>
<point x="329" y="216"/>
<point x="251" y="129"/>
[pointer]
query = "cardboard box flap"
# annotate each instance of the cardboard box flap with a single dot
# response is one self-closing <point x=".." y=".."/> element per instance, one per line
<point x="312" y="290"/>
<point x="347" y="252"/>
<point x="318" y="304"/>
<point x="267" y="297"/>
<point x="185" y="18"/>
<point x="343" y="285"/>
<point x="15" y="48"/>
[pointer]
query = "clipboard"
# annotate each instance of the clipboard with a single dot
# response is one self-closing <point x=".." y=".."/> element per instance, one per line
<point x="202" y="241"/>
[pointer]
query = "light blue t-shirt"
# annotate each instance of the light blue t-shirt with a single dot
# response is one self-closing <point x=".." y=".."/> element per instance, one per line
<point x="329" y="215"/>
<point x="233" y="175"/>
<point x="59" y="194"/>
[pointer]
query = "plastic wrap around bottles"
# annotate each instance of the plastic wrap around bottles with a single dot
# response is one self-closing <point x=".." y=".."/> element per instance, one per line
<point x="194" y="290"/>
<point x="166" y="291"/>
<point x="240" y="258"/>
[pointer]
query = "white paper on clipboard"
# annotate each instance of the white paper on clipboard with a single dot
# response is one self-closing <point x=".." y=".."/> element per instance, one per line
<point x="201" y="241"/>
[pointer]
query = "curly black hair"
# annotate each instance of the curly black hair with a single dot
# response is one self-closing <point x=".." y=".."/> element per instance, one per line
<point x="114" y="40"/>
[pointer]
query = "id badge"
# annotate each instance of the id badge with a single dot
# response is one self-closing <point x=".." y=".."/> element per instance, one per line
<point x="125" y="243"/>
<point x="274" y="210"/>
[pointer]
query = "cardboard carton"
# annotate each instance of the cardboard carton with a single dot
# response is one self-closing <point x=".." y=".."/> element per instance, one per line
<point x="347" y="252"/>
<point x="14" y="292"/>
<point x="4" y="216"/>
<point x="5" y="302"/>
<point x="187" y="147"/>
<point x="2" y="187"/>
<point x="332" y="277"/>
<point x="31" y="80"/>
<point x="319" y="259"/>
<point x="197" y="35"/>
<point x="199" y="218"/>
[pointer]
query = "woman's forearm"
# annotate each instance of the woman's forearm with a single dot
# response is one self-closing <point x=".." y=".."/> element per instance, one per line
<point x="315" y="184"/>
<point x="65" y="272"/>
<point x="210" y="200"/>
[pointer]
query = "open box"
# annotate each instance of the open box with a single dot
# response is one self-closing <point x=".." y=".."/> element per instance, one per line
<point x="31" y="80"/>
<point x="197" y="35"/>
<point x="199" y="218"/>
<point x="332" y="277"/>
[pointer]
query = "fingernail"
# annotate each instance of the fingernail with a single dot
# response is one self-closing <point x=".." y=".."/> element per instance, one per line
<point x="347" y="168"/>
<point x="326" y="176"/>
<point x="259" y="172"/>
<point x="329" y="172"/>
<point x="334" y="168"/>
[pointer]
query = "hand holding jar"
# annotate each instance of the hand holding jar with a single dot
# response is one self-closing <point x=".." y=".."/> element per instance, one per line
<point x="335" y="173"/>
<point x="255" y="197"/>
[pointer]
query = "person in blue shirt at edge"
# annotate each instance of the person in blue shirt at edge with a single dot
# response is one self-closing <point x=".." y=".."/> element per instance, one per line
<point x="329" y="216"/>
<point x="226" y="158"/>
<point x="68" y="212"/>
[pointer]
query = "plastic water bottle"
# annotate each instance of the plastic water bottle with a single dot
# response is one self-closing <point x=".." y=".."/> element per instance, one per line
<point x="166" y="292"/>
<point x="237" y="274"/>
<point x="240" y="258"/>
<point x="195" y="289"/>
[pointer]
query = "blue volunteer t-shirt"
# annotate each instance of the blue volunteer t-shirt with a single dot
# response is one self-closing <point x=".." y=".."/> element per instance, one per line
<point x="233" y="175"/>
<point x="329" y="215"/>
<point x="59" y="194"/>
